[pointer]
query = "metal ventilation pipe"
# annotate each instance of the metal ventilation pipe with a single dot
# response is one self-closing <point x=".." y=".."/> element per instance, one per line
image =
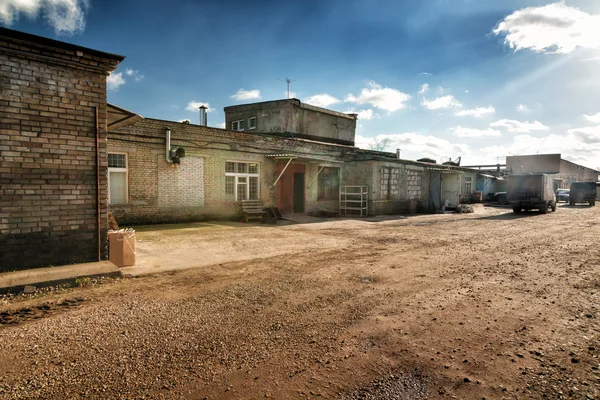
<point x="203" y="119"/>
<point x="168" y="145"/>
<point x="398" y="154"/>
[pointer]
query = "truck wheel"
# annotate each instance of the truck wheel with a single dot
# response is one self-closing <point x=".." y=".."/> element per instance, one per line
<point x="571" y="203"/>
<point x="593" y="203"/>
<point x="553" y="207"/>
<point x="544" y="209"/>
<point x="517" y="210"/>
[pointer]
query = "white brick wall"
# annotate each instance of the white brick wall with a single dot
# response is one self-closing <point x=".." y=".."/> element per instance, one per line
<point x="414" y="184"/>
<point x="182" y="185"/>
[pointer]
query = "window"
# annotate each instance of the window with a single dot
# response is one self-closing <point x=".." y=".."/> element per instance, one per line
<point x="239" y="125"/>
<point x="328" y="187"/>
<point x="242" y="181"/>
<point x="117" y="178"/>
<point x="468" y="185"/>
<point x="252" y="123"/>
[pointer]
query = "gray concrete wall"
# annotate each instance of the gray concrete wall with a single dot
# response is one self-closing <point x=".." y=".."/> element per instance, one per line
<point x="535" y="163"/>
<point x="292" y="116"/>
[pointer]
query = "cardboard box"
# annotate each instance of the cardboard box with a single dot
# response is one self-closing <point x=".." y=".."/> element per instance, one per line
<point x="121" y="247"/>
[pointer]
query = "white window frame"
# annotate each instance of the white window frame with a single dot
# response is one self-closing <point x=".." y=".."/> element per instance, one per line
<point x="250" y="125"/>
<point x="115" y="169"/>
<point x="242" y="175"/>
<point x="468" y="185"/>
<point x="237" y="125"/>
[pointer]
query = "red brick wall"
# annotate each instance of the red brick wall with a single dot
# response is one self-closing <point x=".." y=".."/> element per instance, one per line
<point x="48" y="195"/>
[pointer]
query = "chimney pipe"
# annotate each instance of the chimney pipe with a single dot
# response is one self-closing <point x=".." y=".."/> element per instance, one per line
<point x="203" y="119"/>
<point x="398" y="154"/>
<point x="168" y="145"/>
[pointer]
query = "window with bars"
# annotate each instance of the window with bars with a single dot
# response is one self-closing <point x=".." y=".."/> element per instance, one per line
<point x="117" y="178"/>
<point x="328" y="186"/>
<point x="252" y="123"/>
<point x="242" y="181"/>
<point x="238" y="125"/>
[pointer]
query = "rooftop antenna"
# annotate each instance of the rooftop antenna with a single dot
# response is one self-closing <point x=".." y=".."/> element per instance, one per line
<point x="288" y="81"/>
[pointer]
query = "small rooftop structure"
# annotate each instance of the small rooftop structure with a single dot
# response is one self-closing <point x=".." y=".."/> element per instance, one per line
<point x="292" y="118"/>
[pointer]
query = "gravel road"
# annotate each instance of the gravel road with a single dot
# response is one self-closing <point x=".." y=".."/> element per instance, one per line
<point x="487" y="305"/>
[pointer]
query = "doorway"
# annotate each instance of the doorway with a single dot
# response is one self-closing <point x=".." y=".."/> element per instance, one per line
<point x="298" y="192"/>
<point x="290" y="189"/>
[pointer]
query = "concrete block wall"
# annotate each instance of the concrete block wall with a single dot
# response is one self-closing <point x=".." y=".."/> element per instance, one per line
<point x="48" y="194"/>
<point x="400" y="187"/>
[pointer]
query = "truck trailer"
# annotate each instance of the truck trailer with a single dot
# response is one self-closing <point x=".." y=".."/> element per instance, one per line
<point x="531" y="192"/>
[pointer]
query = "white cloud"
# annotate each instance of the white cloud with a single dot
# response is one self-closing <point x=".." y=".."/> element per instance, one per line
<point x="470" y="132"/>
<point x="363" y="114"/>
<point x="425" y="73"/>
<point x="367" y="114"/>
<point x="246" y="95"/>
<point x="424" y="88"/>
<point x="293" y="95"/>
<point x="441" y="102"/>
<point x="588" y="135"/>
<point x="65" y="16"/>
<point x="593" y="117"/>
<point x="114" y="80"/>
<point x="519" y="127"/>
<point x="221" y="125"/>
<point x="388" y="99"/>
<point x="321" y="100"/>
<point x="414" y="146"/>
<point x="134" y="74"/>
<point x="553" y="28"/>
<point x="581" y="145"/>
<point x="522" y="108"/>
<point x="195" y="106"/>
<point x="476" y="112"/>
<point x="184" y="120"/>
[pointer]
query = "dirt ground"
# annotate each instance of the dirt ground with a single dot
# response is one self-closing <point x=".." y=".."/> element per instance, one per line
<point x="489" y="305"/>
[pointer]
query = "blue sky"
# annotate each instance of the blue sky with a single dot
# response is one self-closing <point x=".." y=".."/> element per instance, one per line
<point x="480" y="79"/>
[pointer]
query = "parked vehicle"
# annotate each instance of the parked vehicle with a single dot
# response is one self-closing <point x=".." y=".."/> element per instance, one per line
<point x="500" y="197"/>
<point x="583" y="192"/>
<point x="562" y="195"/>
<point x="529" y="192"/>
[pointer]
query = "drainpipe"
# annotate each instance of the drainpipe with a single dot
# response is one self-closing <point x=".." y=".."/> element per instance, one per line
<point x="98" y="187"/>
<point x="168" y="145"/>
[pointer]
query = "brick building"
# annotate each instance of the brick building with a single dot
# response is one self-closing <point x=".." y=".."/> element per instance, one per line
<point x="222" y="167"/>
<point x="53" y="160"/>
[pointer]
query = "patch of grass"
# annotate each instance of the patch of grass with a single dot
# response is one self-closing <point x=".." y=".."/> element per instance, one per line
<point x="82" y="282"/>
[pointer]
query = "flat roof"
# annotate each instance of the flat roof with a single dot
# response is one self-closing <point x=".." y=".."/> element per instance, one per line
<point x="294" y="102"/>
<point x="27" y="37"/>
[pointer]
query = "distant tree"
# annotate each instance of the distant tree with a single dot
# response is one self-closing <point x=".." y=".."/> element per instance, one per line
<point x="380" y="144"/>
